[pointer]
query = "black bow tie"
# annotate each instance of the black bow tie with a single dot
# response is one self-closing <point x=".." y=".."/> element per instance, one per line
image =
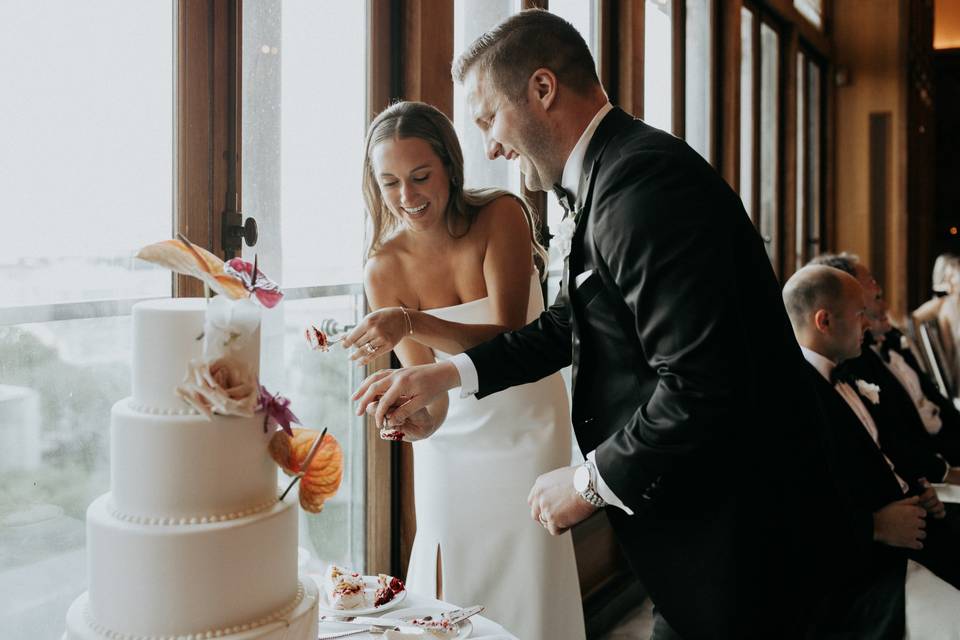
<point x="565" y="198"/>
<point x="840" y="374"/>
<point x="885" y="351"/>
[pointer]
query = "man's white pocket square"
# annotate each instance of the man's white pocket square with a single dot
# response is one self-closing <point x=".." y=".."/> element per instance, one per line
<point x="581" y="277"/>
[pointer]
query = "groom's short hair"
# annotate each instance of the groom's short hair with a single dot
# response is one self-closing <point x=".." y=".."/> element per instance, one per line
<point x="812" y="288"/>
<point x="529" y="40"/>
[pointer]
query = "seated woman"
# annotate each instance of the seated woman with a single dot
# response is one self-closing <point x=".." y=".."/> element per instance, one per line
<point x="940" y="315"/>
<point x="448" y="268"/>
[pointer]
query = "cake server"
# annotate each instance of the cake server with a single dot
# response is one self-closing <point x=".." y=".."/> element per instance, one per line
<point x="375" y="629"/>
<point x="459" y="615"/>
<point x="365" y="620"/>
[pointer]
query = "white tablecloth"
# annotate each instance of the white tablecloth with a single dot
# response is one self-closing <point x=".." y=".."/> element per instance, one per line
<point x="483" y="628"/>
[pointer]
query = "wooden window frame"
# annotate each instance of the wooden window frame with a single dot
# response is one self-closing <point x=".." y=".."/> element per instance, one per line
<point x="208" y="132"/>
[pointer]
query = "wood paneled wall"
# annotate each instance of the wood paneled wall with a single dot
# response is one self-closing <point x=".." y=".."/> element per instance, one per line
<point x="869" y="46"/>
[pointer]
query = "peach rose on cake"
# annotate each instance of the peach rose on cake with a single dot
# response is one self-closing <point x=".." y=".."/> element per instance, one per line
<point x="224" y="386"/>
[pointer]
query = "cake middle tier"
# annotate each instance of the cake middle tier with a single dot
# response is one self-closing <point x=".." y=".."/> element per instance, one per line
<point x="168" y="580"/>
<point x="180" y="468"/>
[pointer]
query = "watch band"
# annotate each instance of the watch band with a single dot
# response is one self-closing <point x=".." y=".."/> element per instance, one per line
<point x="590" y="493"/>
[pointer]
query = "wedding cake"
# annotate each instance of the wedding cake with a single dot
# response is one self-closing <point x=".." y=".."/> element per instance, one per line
<point x="191" y="541"/>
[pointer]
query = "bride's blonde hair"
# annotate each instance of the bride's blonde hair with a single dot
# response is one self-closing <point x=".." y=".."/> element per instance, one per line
<point x="419" y="120"/>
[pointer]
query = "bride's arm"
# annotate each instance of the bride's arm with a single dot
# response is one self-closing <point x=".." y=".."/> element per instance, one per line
<point x="507" y="269"/>
<point x="408" y="352"/>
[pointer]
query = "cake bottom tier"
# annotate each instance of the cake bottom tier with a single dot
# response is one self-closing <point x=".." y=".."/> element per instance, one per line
<point x="298" y="623"/>
<point x="179" y="579"/>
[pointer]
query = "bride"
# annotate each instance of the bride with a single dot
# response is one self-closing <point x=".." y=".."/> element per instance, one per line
<point x="448" y="268"/>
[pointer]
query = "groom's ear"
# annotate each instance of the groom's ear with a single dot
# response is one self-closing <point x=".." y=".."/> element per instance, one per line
<point x="821" y="320"/>
<point x="542" y="87"/>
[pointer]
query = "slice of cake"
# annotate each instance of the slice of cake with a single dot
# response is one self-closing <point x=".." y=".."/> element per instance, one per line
<point x="344" y="588"/>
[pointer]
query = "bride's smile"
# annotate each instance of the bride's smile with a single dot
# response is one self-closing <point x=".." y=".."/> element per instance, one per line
<point x="412" y="179"/>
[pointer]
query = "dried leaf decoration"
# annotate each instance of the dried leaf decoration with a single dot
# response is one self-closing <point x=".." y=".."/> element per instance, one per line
<point x="321" y="480"/>
<point x="190" y="260"/>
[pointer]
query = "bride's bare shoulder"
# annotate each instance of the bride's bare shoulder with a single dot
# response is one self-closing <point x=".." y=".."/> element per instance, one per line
<point x="502" y="218"/>
<point x="384" y="269"/>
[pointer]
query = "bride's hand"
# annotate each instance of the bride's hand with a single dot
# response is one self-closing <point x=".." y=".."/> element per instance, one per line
<point x="377" y="334"/>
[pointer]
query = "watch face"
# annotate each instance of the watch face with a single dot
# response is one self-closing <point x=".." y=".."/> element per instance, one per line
<point x="581" y="479"/>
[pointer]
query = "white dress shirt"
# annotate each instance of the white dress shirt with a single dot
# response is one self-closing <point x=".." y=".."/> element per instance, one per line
<point x="928" y="411"/>
<point x="825" y="367"/>
<point x="570" y="180"/>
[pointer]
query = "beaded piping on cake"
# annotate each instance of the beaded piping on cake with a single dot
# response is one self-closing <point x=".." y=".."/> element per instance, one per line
<point x="154" y="411"/>
<point x="210" y="633"/>
<point x="188" y="520"/>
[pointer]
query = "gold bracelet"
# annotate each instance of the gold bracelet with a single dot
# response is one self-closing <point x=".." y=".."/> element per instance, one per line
<point x="409" y="321"/>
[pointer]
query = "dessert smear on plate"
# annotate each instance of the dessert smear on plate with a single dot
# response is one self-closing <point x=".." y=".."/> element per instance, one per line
<point x="387" y="590"/>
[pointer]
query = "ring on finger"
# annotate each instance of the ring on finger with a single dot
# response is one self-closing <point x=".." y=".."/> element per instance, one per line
<point x="370" y="348"/>
<point x="542" y="520"/>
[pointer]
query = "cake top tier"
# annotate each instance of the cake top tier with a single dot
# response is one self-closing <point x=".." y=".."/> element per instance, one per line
<point x="167" y="334"/>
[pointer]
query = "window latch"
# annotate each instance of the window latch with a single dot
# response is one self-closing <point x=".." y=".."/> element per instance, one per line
<point x="232" y="229"/>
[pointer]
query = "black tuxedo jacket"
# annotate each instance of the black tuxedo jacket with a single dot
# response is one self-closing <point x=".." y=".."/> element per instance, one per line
<point x="868" y="588"/>
<point x="902" y="434"/>
<point x="947" y="441"/>
<point x="689" y="384"/>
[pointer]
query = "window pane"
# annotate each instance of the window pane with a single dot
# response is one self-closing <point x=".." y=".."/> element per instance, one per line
<point x="58" y="382"/>
<point x="86" y="172"/>
<point x="812" y="10"/>
<point x="769" y="119"/>
<point x="319" y="386"/>
<point x="658" y="64"/>
<point x="814" y="137"/>
<point x="302" y="161"/>
<point x="86" y="158"/>
<point x="699" y="77"/>
<point x="746" y="110"/>
<point x="303" y="150"/>
<point x="470" y="21"/>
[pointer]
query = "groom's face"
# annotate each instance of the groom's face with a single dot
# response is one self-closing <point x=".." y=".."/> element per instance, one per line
<point x="512" y="130"/>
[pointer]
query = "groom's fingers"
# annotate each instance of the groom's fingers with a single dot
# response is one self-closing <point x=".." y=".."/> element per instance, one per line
<point x="372" y="378"/>
<point x="372" y="394"/>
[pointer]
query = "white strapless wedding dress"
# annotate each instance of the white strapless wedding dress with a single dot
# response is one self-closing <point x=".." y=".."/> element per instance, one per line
<point x="471" y="481"/>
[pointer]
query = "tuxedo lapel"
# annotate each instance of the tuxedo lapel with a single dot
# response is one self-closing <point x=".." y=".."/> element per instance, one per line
<point x="612" y="124"/>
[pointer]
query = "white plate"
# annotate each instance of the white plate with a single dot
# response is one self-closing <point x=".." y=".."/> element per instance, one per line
<point x="464" y="628"/>
<point x="370" y="584"/>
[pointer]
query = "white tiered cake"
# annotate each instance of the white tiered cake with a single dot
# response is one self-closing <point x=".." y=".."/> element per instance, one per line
<point x="191" y="541"/>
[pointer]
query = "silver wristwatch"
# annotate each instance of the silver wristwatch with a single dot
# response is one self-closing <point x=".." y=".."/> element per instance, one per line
<point x="585" y="484"/>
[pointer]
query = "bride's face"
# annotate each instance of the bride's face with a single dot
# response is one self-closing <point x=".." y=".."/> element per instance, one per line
<point x="413" y="181"/>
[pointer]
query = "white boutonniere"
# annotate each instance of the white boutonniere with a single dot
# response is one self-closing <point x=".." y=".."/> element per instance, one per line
<point x="869" y="391"/>
<point x="904" y="343"/>
<point x="564" y="235"/>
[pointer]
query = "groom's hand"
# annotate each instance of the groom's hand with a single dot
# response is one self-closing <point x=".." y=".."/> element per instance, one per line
<point x="555" y="504"/>
<point x="400" y="393"/>
<point x="418" y="426"/>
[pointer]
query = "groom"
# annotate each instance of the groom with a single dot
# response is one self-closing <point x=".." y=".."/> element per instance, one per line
<point x="689" y="399"/>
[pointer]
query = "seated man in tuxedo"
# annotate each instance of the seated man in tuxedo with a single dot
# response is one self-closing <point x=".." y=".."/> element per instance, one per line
<point x="827" y="312"/>
<point x="919" y="428"/>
